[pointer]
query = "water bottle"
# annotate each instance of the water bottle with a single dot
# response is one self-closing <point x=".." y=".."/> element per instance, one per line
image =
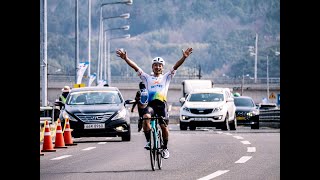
<point x="144" y="96"/>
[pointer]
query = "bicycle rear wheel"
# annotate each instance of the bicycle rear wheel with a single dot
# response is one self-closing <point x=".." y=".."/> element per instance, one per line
<point x="152" y="149"/>
<point x="159" y="148"/>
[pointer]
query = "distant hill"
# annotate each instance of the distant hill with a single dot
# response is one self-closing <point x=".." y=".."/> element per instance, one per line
<point x="220" y="31"/>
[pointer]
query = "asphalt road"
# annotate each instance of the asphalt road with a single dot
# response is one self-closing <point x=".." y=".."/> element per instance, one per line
<point x="206" y="153"/>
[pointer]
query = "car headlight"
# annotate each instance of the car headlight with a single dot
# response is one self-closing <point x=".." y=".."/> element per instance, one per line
<point x="253" y="113"/>
<point x="186" y="109"/>
<point x="66" y="115"/>
<point x="121" y="115"/>
<point x="217" y="109"/>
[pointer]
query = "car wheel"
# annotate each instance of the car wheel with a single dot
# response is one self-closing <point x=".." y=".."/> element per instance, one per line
<point x="225" y="123"/>
<point x="183" y="126"/>
<point x="233" y="124"/>
<point x="192" y="127"/>
<point x="255" y="126"/>
<point x="126" y="136"/>
<point x="75" y="135"/>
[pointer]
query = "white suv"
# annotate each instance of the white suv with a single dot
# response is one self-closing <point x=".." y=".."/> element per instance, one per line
<point x="212" y="107"/>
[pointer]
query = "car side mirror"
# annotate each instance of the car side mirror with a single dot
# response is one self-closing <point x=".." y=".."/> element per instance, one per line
<point x="230" y="99"/>
<point x="59" y="103"/>
<point x="182" y="100"/>
<point x="130" y="101"/>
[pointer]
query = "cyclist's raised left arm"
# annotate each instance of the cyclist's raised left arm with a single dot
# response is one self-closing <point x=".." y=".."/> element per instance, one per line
<point x="185" y="54"/>
<point x="123" y="55"/>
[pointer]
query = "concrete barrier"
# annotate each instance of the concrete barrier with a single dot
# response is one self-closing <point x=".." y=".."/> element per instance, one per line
<point x="268" y="118"/>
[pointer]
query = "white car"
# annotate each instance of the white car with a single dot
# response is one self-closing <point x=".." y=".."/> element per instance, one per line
<point x="211" y="107"/>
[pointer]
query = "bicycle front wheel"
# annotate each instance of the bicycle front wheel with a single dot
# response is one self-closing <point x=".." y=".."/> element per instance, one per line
<point x="159" y="148"/>
<point x="153" y="149"/>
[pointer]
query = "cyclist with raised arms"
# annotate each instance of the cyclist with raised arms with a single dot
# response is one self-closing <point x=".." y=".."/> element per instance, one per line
<point x="157" y="86"/>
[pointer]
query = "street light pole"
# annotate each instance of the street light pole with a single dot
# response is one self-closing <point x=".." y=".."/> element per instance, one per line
<point x="45" y="62"/>
<point x="103" y="43"/>
<point x="128" y="2"/>
<point x="256" y="59"/>
<point x="77" y="42"/>
<point x="127" y="27"/>
<point x="89" y="38"/>
<point x="100" y="63"/>
<point x="267" y="78"/>
<point x="109" y="70"/>
<point x="254" y="52"/>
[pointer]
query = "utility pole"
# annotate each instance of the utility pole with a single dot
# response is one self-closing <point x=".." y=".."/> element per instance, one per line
<point x="256" y="59"/>
<point x="267" y="78"/>
<point x="45" y="62"/>
<point x="254" y="52"/>
<point x="242" y="82"/>
<point x="77" y="42"/>
<point x="199" y="75"/>
<point x="89" y="37"/>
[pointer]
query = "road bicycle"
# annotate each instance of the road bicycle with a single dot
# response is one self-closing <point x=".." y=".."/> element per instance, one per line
<point x="156" y="142"/>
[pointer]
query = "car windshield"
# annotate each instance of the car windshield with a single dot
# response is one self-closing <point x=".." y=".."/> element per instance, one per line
<point x="206" y="97"/>
<point x="94" y="97"/>
<point x="244" y="102"/>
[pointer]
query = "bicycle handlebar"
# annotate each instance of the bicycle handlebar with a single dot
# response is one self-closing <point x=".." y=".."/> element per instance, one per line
<point x="156" y="117"/>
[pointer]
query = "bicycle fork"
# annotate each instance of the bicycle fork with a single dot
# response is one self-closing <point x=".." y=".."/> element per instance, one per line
<point x="153" y="126"/>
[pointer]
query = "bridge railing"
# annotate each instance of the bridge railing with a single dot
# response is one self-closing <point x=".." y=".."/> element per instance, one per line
<point x="46" y="114"/>
<point x="270" y="115"/>
<point x="177" y="79"/>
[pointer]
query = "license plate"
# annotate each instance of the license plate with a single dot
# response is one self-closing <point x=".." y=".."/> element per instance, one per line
<point x="201" y="119"/>
<point x="94" y="126"/>
<point x="241" y="118"/>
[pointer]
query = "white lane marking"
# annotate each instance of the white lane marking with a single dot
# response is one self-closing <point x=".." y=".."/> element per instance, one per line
<point x="88" y="148"/>
<point x="228" y="134"/>
<point x="61" y="157"/>
<point x="213" y="175"/>
<point x="203" y="129"/>
<point x="220" y="132"/>
<point x="243" y="159"/>
<point x="238" y="137"/>
<point x="245" y="142"/>
<point x="102" y="142"/>
<point x="251" y="149"/>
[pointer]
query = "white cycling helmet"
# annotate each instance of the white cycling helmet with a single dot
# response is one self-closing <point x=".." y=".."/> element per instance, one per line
<point x="158" y="60"/>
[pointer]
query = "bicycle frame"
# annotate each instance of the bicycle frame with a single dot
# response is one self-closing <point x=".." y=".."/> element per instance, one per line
<point x="156" y="143"/>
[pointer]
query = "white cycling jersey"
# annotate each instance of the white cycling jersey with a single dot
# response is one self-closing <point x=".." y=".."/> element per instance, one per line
<point x="157" y="86"/>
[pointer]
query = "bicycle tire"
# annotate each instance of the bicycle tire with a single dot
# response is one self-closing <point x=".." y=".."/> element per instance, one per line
<point x="152" y="149"/>
<point x="159" y="148"/>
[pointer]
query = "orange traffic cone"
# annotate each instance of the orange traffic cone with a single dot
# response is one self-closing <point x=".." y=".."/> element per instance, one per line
<point x="67" y="134"/>
<point x="59" y="142"/>
<point x="47" y="145"/>
<point x="41" y="154"/>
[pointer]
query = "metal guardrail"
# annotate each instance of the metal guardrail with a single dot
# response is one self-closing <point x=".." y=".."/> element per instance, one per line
<point x="177" y="79"/>
<point x="270" y="115"/>
<point x="46" y="114"/>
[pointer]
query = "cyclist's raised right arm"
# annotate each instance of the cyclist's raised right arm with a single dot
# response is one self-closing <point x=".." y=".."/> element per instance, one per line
<point x="123" y="55"/>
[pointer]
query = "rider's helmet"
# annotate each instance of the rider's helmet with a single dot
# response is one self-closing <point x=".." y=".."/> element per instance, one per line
<point x="144" y="95"/>
<point x="236" y="94"/>
<point x="66" y="89"/>
<point x="158" y="60"/>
